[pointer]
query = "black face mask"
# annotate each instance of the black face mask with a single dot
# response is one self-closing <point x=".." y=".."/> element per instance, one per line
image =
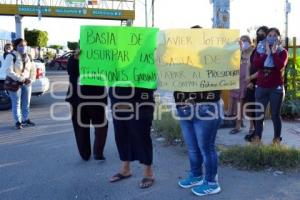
<point x="260" y="38"/>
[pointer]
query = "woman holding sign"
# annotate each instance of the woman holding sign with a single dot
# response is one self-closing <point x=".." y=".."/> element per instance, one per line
<point x="132" y="112"/>
<point x="88" y="105"/>
<point x="270" y="59"/>
<point x="200" y="117"/>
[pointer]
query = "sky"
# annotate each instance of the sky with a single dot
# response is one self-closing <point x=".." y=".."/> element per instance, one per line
<point x="245" y="14"/>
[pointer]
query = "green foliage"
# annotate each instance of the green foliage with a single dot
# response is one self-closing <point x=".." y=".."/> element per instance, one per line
<point x="259" y="157"/>
<point x="49" y="55"/>
<point x="293" y="79"/>
<point x="168" y="127"/>
<point x="36" y="38"/>
<point x="56" y="46"/>
<point x="73" y="45"/>
<point x="290" y="108"/>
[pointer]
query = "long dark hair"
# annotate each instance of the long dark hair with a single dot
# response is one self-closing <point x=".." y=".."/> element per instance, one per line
<point x="262" y="28"/>
<point x="17" y="42"/>
<point x="276" y="30"/>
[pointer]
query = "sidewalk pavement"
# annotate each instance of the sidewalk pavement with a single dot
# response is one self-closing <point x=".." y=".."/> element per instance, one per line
<point x="290" y="134"/>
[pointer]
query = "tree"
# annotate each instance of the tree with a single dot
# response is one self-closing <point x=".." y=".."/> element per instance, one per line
<point x="36" y="38"/>
<point x="73" y="45"/>
<point x="56" y="46"/>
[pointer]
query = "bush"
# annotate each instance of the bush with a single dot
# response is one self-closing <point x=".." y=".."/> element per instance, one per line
<point x="49" y="55"/>
<point x="259" y="157"/>
<point x="291" y="109"/>
<point x="168" y="127"/>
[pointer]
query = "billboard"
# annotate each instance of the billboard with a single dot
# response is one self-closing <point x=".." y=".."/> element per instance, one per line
<point x="67" y="12"/>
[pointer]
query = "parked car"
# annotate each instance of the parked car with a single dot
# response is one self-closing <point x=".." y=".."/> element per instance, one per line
<point x="39" y="86"/>
<point x="60" y="63"/>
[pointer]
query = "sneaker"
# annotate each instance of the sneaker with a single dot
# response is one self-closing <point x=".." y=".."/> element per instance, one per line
<point x="249" y="137"/>
<point x="28" y="123"/>
<point x="19" y="125"/>
<point x="190" y="182"/>
<point x="206" y="189"/>
<point x="256" y="140"/>
<point x="277" y="140"/>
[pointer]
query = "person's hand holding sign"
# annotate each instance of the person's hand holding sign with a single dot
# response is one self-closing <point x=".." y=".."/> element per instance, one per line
<point x="77" y="54"/>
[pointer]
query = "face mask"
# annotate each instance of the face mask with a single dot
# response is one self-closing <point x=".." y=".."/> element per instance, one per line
<point x="260" y="38"/>
<point x="22" y="50"/>
<point x="271" y="40"/>
<point x="245" y="45"/>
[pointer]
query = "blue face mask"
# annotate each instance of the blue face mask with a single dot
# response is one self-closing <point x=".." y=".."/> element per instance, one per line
<point x="271" y="40"/>
<point x="22" y="50"/>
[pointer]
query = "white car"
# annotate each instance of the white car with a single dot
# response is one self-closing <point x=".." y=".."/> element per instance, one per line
<point x="39" y="86"/>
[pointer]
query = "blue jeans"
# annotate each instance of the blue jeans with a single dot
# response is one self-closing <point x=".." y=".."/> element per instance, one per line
<point x="199" y="125"/>
<point x="275" y="96"/>
<point x="20" y="101"/>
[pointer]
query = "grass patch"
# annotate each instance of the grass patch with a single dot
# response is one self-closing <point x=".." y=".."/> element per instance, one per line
<point x="168" y="127"/>
<point x="260" y="157"/>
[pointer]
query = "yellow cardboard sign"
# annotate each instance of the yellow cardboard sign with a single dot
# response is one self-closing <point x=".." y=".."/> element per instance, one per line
<point x="193" y="60"/>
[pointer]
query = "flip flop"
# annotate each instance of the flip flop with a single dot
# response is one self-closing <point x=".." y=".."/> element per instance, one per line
<point x="146" y="183"/>
<point x="234" y="131"/>
<point x="118" y="177"/>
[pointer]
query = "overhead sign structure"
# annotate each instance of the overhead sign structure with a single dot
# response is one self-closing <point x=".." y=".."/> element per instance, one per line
<point x="66" y="12"/>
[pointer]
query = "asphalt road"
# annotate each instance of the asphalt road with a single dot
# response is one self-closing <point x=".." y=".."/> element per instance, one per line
<point x="42" y="162"/>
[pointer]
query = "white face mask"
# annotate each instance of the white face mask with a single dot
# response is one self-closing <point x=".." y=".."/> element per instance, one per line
<point x="245" y="45"/>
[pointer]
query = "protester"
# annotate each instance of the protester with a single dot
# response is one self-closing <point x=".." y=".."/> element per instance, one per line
<point x="20" y="69"/>
<point x="132" y="118"/>
<point x="88" y="105"/>
<point x="200" y="118"/>
<point x="261" y="34"/>
<point x="237" y="96"/>
<point x="8" y="48"/>
<point x="270" y="59"/>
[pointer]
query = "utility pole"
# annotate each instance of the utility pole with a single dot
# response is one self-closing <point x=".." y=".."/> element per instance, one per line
<point x="146" y="13"/>
<point x="221" y="13"/>
<point x="221" y="19"/>
<point x="19" y="28"/>
<point x="152" y="7"/>
<point x="287" y="11"/>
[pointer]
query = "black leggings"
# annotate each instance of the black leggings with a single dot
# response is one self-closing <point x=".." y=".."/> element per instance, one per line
<point x="275" y="96"/>
<point x="94" y="114"/>
<point x="250" y="105"/>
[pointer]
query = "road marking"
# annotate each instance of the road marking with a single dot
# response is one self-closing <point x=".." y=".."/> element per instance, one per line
<point x="11" y="164"/>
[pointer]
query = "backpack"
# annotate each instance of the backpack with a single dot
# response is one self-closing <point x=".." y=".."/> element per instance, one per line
<point x="13" y="55"/>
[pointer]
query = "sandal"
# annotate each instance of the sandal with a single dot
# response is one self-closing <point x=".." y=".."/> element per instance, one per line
<point x="235" y="131"/>
<point x="118" y="177"/>
<point x="146" y="183"/>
